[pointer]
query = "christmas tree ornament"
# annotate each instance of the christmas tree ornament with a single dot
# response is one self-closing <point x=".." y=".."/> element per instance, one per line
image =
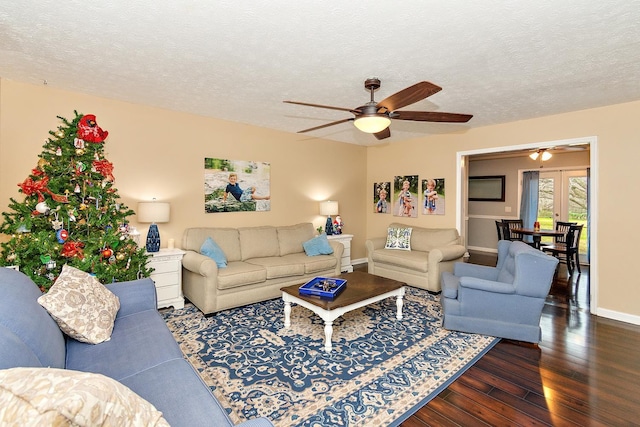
<point x="11" y="257"/>
<point x="112" y="259"/>
<point x="56" y="223"/>
<point x="59" y="151"/>
<point x="89" y="130"/>
<point x="119" y="256"/>
<point x="80" y="167"/>
<point x="77" y="189"/>
<point x="60" y="133"/>
<point x="79" y="151"/>
<point x="42" y="163"/>
<point x="42" y="207"/>
<point x="107" y="252"/>
<point x="62" y="235"/>
<point x="78" y="143"/>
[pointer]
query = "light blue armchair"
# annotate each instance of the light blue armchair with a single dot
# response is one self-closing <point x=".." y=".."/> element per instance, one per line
<point x="504" y="301"/>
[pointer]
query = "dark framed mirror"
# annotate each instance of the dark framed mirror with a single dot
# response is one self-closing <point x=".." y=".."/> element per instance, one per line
<point x="486" y="188"/>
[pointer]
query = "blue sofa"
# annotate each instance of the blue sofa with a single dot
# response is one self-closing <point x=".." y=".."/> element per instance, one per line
<point x="504" y="301"/>
<point x="141" y="353"/>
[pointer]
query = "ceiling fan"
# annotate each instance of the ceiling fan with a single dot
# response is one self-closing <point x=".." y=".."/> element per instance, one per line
<point x="375" y="117"/>
<point x="546" y="153"/>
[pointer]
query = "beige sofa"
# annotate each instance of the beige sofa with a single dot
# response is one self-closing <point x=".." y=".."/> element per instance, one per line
<point x="261" y="260"/>
<point x="433" y="250"/>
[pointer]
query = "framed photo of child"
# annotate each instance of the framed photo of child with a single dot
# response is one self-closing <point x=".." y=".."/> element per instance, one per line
<point x="405" y="189"/>
<point x="433" y="196"/>
<point x="381" y="203"/>
<point x="236" y="185"/>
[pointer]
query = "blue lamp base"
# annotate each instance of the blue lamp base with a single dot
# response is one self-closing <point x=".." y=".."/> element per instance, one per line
<point x="328" y="228"/>
<point x="153" y="239"/>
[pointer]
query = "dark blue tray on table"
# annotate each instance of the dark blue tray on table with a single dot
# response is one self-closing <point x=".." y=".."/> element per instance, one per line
<point x="325" y="287"/>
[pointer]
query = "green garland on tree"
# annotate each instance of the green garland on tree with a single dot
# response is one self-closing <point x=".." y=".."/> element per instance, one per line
<point x="70" y="213"/>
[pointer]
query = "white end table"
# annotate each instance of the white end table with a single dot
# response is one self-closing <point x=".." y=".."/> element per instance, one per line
<point x="345" y="239"/>
<point x="167" y="275"/>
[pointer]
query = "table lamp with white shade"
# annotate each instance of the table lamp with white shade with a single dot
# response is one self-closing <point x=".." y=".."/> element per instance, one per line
<point x="153" y="212"/>
<point x="329" y="208"/>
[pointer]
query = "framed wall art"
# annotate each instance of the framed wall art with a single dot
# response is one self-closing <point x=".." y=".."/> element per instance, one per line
<point x="405" y="190"/>
<point x="433" y="196"/>
<point x="236" y="185"/>
<point x="486" y="188"/>
<point x="381" y="197"/>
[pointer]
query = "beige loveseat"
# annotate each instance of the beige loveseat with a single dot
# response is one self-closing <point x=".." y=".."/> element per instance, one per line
<point x="433" y="250"/>
<point x="261" y="260"/>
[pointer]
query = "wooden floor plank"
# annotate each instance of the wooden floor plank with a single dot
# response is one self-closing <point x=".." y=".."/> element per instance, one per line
<point x="585" y="371"/>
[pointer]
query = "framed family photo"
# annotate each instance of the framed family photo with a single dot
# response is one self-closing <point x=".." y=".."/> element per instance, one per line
<point x="433" y="196"/>
<point x="405" y="189"/>
<point x="381" y="195"/>
<point x="236" y="185"/>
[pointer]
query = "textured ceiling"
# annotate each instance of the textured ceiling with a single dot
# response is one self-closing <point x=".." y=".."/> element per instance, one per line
<point x="498" y="60"/>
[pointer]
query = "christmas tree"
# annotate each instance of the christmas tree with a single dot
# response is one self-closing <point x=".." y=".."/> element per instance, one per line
<point x="70" y="213"/>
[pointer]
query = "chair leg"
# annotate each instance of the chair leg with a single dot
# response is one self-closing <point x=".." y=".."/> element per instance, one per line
<point x="569" y="264"/>
<point x="577" y="262"/>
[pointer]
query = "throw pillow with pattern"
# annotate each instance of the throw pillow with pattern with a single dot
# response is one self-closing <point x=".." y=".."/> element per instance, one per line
<point x="398" y="238"/>
<point x="83" y="308"/>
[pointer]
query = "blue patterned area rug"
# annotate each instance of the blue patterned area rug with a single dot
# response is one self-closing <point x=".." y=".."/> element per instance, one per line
<point x="381" y="369"/>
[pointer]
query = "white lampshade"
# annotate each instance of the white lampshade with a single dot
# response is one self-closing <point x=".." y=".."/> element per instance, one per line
<point x="154" y="212"/>
<point x="546" y="156"/>
<point x="329" y="208"/>
<point x="372" y="123"/>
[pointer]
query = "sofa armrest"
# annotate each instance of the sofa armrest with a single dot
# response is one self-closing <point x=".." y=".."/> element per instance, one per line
<point x="200" y="264"/>
<point x="375" y="243"/>
<point x="474" y="270"/>
<point x="487" y="285"/>
<point x="135" y="296"/>
<point x="446" y="253"/>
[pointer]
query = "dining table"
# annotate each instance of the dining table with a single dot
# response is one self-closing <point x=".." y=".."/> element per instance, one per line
<point x="538" y="234"/>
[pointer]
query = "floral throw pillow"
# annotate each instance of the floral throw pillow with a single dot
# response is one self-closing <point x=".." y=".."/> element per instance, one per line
<point x="61" y="397"/>
<point x="398" y="238"/>
<point x="81" y="306"/>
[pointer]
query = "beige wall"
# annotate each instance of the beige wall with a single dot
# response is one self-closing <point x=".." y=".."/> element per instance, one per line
<point x="160" y="153"/>
<point x="617" y="129"/>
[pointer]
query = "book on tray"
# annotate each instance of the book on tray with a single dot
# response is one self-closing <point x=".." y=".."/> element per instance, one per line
<point x="325" y="287"/>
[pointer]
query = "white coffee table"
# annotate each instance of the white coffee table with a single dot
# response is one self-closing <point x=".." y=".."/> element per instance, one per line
<point x="362" y="289"/>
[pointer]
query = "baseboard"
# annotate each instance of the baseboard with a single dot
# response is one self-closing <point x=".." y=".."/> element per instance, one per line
<point x="616" y="315"/>
<point x="359" y="261"/>
<point x="481" y="249"/>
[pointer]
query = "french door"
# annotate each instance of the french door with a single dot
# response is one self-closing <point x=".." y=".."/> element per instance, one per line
<point x="562" y="196"/>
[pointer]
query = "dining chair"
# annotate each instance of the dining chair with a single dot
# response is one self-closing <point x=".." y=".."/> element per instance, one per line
<point x="500" y="230"/>
<point x="568" y="252"/>
<point x="564" y="228"/>
<point x="509" y="225"/>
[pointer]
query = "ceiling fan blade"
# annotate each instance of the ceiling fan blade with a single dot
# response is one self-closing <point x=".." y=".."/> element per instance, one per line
<point x="323" y="106"/>
<point x="386" y="133"/>
<point x="431" y="116"/>
<point x="326" y="125"/>
<point x="408" y="96"/>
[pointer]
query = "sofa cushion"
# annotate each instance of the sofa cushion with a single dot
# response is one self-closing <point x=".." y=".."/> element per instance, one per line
<point x="278" y="266"/>
<point x="258" y="242"/>
<point x="81" y="306"/>
<point x="292" y="237"/>
<point x="30" y="336"/>
<point x="398" y="238"/>
<point x="312" y="264"/>
<point x="61" y="397"/>
<point x="211" y="249"/>
<point x="239" y="273"/>
<point x="415" y="260"/>
<point x="426" y="239"/>
<point x="227" y="238"/>
<point x="319" y="245"/>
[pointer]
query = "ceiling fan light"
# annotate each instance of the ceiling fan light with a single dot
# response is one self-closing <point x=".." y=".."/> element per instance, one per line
<point x="546" y="156"/>
<point x="372" y="124"/>
<point x="534" y="155"/>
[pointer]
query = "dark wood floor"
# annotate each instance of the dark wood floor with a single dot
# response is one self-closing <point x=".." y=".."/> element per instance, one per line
<point x="586" y="371"/>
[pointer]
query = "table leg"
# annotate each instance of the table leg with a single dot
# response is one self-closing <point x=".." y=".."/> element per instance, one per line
<point x="536" y="241"/>
<point x="328" y="332"/>
<point x="399" y="306"/>
<point x="287" y="314"/>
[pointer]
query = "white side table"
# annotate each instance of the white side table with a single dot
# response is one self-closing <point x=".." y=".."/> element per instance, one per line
<point x="345" y="239"/>
<point x="167" y="275"/>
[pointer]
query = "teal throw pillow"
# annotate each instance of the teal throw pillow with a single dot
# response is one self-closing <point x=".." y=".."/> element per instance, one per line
<point x="213" y="251"/>
<point x="318" y="246"/>
<point x="399" y="238"/>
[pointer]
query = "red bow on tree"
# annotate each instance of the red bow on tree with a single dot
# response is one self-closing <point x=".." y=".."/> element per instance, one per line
<point x="71" y="249"/>
<point x="105" y="167"/>
<point x="29" y="187"/>
<point x="89" y="130"/>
